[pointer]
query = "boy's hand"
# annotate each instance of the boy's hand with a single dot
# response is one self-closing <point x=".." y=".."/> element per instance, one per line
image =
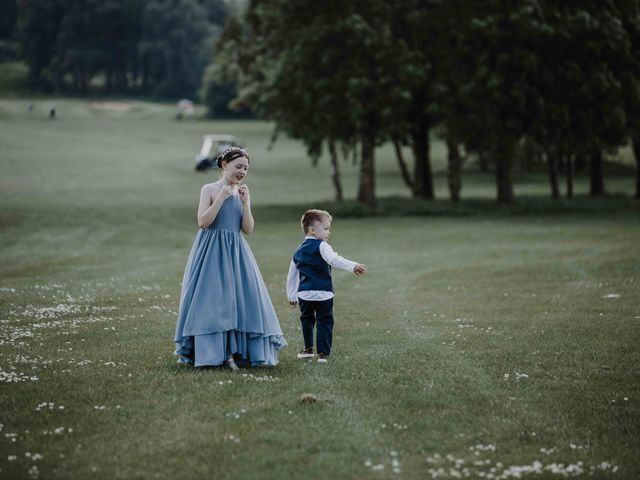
<point x="359" y="269"/>
<point x="293" y="304"/>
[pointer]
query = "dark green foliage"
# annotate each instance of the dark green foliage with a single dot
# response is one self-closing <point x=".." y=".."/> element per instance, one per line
<point x="159" y="47"/>
<point x="581" y="106"/>
<point x="174" y="47"/>
<point x="540" y="72"/>
<point x="628" y="68"/>
<point x="39" y="26"/>
<point x="8" y="18"/>
<point x="92" y="37"/>
<point x="216" y="11"/>
<point x="8" y="23"/>
<point x="558" y="79"/>
<point x="334" y="84"/>
<point x="217" y="93"/>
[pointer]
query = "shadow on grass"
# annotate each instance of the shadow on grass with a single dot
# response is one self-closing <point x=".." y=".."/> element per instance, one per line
<point x="117" y="218"/>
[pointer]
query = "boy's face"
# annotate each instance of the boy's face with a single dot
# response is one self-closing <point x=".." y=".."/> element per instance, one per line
<point x="321" y="230"/>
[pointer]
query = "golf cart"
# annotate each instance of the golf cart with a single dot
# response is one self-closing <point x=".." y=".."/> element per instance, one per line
<point x="212" y="146"/>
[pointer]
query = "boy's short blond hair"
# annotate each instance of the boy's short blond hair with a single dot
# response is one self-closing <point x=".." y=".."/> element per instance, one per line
<point x="311" y="216"/>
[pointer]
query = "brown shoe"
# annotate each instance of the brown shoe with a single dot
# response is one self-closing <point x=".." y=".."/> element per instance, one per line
<point x="323" y="358"/>
<point x="306" y="353"/>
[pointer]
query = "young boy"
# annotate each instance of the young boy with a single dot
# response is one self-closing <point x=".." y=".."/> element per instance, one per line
<point x="309" y="282"/>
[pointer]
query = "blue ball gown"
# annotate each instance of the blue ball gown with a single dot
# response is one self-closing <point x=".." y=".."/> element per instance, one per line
<point x="225" y="309"/>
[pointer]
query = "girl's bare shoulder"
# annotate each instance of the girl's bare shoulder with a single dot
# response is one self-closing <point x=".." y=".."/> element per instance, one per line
<point x="211" y="188"/>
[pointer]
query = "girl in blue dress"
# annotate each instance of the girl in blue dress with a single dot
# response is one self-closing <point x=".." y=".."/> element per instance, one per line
<point x="225" y="310"/>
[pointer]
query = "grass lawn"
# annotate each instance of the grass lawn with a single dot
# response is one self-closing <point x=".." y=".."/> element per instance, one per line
<point x="484" y="342"/>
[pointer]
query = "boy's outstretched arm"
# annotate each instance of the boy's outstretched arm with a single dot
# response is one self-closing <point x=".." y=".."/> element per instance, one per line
<point x="332" y="258"/>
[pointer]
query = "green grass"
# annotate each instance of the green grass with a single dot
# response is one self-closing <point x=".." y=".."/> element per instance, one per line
<point x="97" y="218"/>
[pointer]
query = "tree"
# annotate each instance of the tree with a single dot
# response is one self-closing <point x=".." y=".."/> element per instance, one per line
<point x="419" y="30"/>
<point x="118" y="34"/>
<point x="218" y="91"/>
<point x="454" y="168"/>
<point x="161" y="44"/>
<point x="93" y="37"/>
<point x="8" y="18"/>
<point x="493" y="74"/>
<point x="581" y="107"/>
<point x="174" y="47"/>
<point x="629" y="73"/>
<point x="635" y="143"/>
<point x="329" y="87"/>
<point x="39" y="23"/>
<point x="8" y="22"/>
<point x="495" y="99"/>
<point x="548" y="72"/>
<point x="216" y="10"/>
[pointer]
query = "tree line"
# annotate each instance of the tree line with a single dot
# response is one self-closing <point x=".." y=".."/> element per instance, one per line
<point x="559" y="81"/>
<point x="155" y="47"/>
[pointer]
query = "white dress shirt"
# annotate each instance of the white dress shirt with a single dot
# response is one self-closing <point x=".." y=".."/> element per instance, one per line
<point x="293" y="277"/>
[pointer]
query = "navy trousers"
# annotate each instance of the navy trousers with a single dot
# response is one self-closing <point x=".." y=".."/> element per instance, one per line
<point x="320" y="315"/>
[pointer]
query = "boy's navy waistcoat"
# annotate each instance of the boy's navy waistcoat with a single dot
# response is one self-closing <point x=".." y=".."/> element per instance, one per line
<point x="315" y="273"/>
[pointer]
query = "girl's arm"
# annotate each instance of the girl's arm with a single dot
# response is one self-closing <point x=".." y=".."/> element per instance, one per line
<point x="247" y="216"/>
<point x="211" y="199"/>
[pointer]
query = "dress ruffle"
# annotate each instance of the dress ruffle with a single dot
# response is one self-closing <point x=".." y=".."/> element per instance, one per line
<point x="215" y="348"/>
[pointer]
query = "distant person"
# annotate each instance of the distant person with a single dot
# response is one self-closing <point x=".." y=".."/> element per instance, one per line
<point x="225" y="314"/>
<point x="309" y="282"/>
<point x="52" y="112"/>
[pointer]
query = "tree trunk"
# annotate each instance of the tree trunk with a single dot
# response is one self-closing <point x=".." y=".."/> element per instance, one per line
<point x="423" y="178"/>
<point x="335" y="171"/>
<point x="109" y="76"/>
<point x="404" y="171"/>
<point x="568" y="161"/>
<point x="366" y="188"/>
<point x="126" y="84"/>
<point x="484" y="162"/>
<point x="135" y="75"/>
<point x="84" y="81"/>
<point x="145" y="76"/>
<point x="455" y="169"/>
<point x="635" y="143"/>
<point x="552" y="166"/>
<point x="58" y="80"/>
<point x="35" y="75"/>
<point x="595" y="172"/>
<point x="579" y="163"/>
<point x="504" y="181"/>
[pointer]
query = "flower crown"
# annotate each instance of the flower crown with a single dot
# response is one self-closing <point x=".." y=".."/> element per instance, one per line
<point x="229" y="154"/>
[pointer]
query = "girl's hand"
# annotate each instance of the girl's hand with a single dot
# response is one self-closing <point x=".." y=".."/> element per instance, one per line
<point x="243" y="191"/>
<point x="359" y="269"/>
<point x="225" y="192"/>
